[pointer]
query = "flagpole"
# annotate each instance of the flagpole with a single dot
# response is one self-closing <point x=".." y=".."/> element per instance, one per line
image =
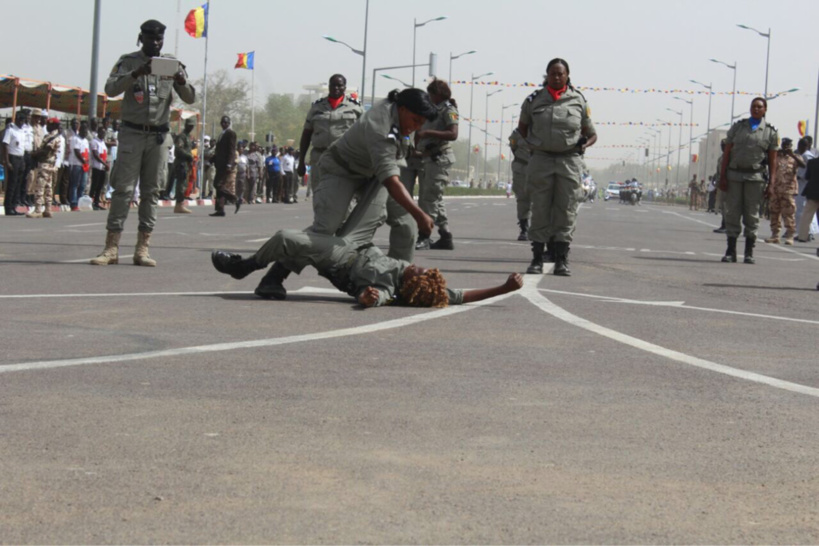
<point x="253" y="100"/>
<point x="204" y="110"/>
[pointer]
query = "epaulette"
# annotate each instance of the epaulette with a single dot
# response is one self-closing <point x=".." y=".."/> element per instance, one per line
<point x="395" y="133"/>
<point x="531" y="97"/>
<point x="353" y="100"/>
<point x="318" y="101"/>
<point x="579" y="93"/>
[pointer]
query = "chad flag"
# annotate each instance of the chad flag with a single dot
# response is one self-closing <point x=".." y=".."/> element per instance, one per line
<point x="802" y="127"/>
<point x="245" y="60"/>
<point x="196" y="23"/>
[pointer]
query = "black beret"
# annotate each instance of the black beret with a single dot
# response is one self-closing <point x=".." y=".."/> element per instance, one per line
<point x="152" y="26"/>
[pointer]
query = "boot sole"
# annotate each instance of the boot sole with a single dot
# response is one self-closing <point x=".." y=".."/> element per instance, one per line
<point x="277" y="295"/>
<point x="110" y="262"/>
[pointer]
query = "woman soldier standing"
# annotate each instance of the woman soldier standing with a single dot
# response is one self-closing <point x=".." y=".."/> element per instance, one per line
<point x="434" y="142"/>
<point x="556" y="125"/>
<point x="749" y="143"/>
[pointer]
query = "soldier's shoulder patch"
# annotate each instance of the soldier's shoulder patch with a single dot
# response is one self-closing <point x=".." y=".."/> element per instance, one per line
<point x="531" y="97"/>
<point x="588" y="110"/>
<point x="453" y="116"/>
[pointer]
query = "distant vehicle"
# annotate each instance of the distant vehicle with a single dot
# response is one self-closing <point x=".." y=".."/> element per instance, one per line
<point x="458" y="184"/>
<point x="612" y="191"/>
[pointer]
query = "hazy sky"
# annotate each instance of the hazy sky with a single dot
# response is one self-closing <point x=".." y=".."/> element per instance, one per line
<point x="639" y="44"/>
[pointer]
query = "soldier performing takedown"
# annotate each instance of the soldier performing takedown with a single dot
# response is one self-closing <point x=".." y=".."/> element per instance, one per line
<point x="363" y="272"/>
<point x="144" y="139"/>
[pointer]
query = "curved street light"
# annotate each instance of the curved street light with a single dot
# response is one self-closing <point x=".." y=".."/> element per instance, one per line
<point x="458" y="56"/>
<point x="503" y="109"/>
<point x="734" y="92"/>
<point x="486" y="131"/>
<point x="690" y="132"/>
<point x="471" y="97"/>
<point x="405" y="84"/>
<point x="415" y="25"/>
<point x="767" y="55"/>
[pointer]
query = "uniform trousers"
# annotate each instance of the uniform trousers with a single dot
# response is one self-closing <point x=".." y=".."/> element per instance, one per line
<point x="431" y="192"/>
<point x="742" y="206"/>
<point x="46" y="176"/>
<point x="553" y="184"/>
<point x="315" y="172"/>
<point x="403" y="228"/>
<point x="180" y="174"/>
<point x="782" y="207"/>
<point x="142" y="157"/>
<point x="290" y="188"/>
<point x="524" y="203"/>
<point x="13" y="181"/>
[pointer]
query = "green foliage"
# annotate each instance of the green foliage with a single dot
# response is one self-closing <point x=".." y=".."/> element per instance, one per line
<point x="281" y="114"/>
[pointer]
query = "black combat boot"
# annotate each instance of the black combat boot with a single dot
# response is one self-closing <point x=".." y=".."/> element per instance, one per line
<point x="731" y="253"/>
<point x="220" y="207"/>
<point x="721" y="228"/>
<point x="233" y="264"/>
<point x="422" y="243"/>
<point x="272" y="283"/>
<point x="549" y="257"/>
<point x="561" y="250"/>
<point x="750" y="242"/>
<point x="445" y="242"/>
<point x="536" y="267"/>
<point x="524" y="229"/>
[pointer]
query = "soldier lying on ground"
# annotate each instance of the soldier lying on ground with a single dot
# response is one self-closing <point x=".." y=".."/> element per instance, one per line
<point x="363" y="272"/>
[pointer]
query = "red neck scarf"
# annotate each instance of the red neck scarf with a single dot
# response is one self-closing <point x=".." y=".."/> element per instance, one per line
<point x="335" y="102"/>
<point x="556" y="93"/>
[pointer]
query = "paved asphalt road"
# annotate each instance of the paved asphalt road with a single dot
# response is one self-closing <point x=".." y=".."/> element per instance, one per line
<point x="656" y="396"/>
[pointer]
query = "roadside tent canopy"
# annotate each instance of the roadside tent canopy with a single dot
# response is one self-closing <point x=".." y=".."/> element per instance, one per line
<point x="16" y="92"/>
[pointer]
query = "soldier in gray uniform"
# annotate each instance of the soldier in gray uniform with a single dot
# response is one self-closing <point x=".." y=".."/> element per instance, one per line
<point x="327" y="120"/>
<point x="749" y="143"/>
<point x="144" y="139"/>
<point x="364" y="163"/>
<point x="434" y="142"/>
<point x="182" y="162"/>
<point x="556" y="124"/>
<point x="363" y="272"/>
<point x="520" y="163"/>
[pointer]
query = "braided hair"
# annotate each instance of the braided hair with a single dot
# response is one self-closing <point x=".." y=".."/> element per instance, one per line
<point x="553" y="62"/>
<point x="427" y="289"/>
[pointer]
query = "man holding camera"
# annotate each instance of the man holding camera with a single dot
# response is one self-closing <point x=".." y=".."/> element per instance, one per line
<point x="144" y="139"/>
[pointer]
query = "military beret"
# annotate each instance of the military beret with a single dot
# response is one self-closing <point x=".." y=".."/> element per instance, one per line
<point x="152" y="26"/>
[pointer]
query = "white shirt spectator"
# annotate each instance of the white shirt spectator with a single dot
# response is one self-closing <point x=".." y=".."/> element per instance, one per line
<point x="14" y="139"/>
<point x="28" y="142"/>
<point x="171" y="154"/>
<point x="60" y="152"/>
<point x="77" y="143"/>
<point x="98" y="146"/>
<point x="288" y="162"/>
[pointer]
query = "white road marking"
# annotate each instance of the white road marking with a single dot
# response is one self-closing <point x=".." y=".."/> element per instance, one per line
<point x="258" y="240"/>
<point x="690" y="219"/>
<point x="252" y="344"/>
<point x="793" y="251"/>
<point x="86" y="225"/>
<point x="530" y="292"/>
<point x="679" y="305"/>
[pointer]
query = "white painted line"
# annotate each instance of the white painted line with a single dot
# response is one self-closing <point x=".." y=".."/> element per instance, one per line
<point x="253" y="344"/>
<point x="793" y="251"/>
<point x="690" y="219"/>
<point x="77" y="261"/>
<point x="530" y="292"/>
<point x="86" y="225"/>
<point x="257" y="240"/>
<point x="679" y="305"/>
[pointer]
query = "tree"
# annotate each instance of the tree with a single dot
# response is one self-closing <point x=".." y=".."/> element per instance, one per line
<point x="225" y="97"/>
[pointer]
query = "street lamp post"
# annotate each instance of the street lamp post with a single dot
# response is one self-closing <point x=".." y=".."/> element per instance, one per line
<point x="486" y="132"/>
<point x="734" y="92"/>
<point x="405" y="84"/>
<point x="376" y="70"/>
<point x="471" y="97"/>
<point x="363" y="53"/>
<point x="453" y="57"/>
<point x="679" y="146"/>
<point x="503" y="109"/>
<point x="690" y="133"/>
<point x="415" y="25"/>
<point x="708" y="124"/>
<point x="668" y="154"/>
<point x="767" y="55"/>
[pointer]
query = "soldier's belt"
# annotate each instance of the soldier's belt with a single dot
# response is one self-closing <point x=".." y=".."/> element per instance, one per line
<point x="147" y="128"/>
<point x="746" y="170"/>
<point x="567" y="153"/>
